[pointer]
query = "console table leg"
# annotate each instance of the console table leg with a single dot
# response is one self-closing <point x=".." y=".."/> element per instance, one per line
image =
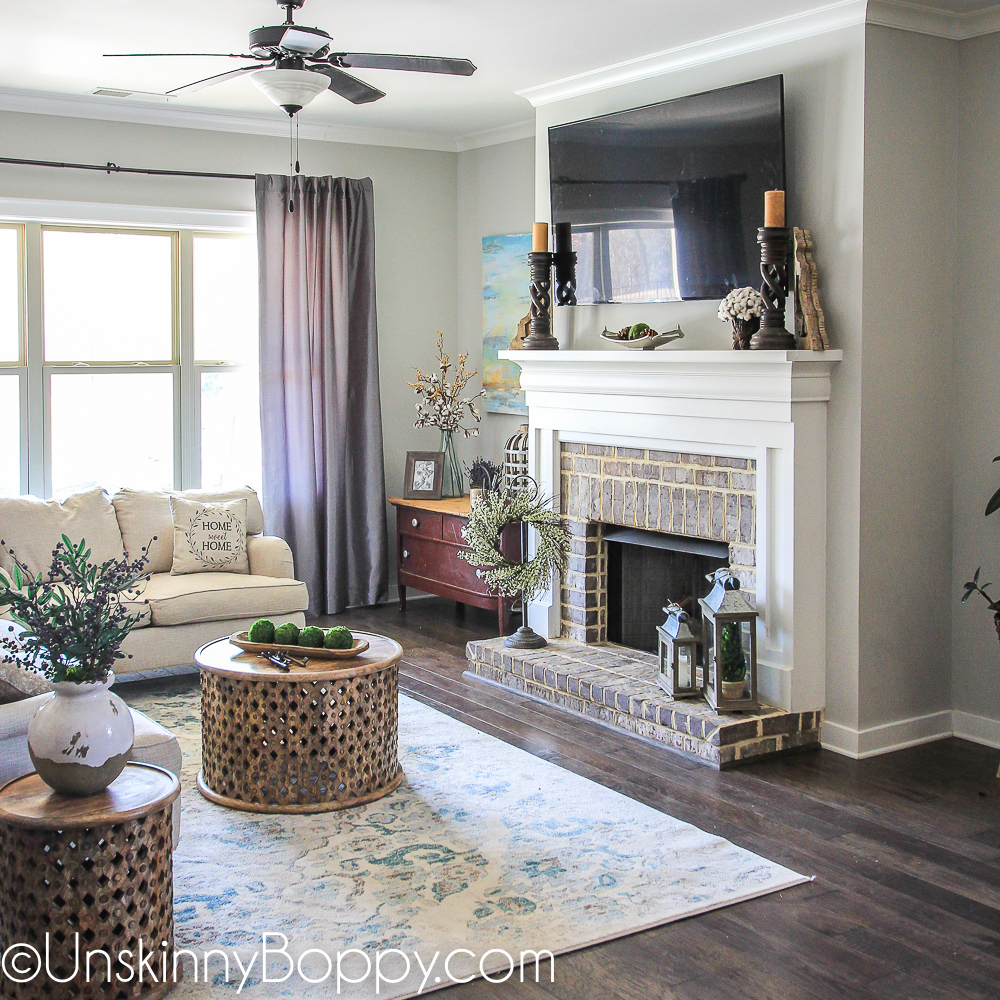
<point x="503" y="613"/>
<point x="402" y="597"/>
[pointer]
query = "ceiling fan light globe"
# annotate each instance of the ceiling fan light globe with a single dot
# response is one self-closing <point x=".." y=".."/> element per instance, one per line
<point x="289" y="88"/>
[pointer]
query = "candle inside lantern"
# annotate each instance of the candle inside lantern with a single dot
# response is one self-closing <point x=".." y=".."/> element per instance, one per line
<point x="684" y="667"/>
<point x="540" y="237"/>
<point x="564" y="237"/>
<point x="774" y="209"/>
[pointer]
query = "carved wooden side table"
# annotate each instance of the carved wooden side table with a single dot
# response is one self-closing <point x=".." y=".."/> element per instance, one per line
<point x="99" y="867"/>
<point x="308" y="740"/>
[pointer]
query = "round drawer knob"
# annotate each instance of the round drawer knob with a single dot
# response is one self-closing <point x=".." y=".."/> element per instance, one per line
<point x="406" y="555"/>
<point x="415" y="522"/>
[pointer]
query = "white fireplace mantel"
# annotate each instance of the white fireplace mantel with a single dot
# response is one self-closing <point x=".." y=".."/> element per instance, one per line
<point x="766" y="405"/>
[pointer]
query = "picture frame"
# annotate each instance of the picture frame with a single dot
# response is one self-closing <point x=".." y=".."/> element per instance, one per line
<point x="424" y="475"/>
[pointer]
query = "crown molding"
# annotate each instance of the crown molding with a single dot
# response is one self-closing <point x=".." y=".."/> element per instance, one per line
<point x="496" y="136"/>
<point x="926" y="20"/>
<point x="832" y="17"/>
<point x="733" y="43"/>
<point x="115" y="109"/>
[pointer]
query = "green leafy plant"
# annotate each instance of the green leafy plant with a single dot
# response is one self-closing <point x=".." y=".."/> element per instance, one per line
<point x="731" y="657"/>
<point x="973" y="586"/>
<point x="75" y="621"/>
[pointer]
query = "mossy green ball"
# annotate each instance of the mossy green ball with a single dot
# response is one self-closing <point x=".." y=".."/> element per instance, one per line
<point x="339" y="637"/>
<point x="262" y="630"/>
<point x="311" y="636"/>
<point x="287" y="634"/>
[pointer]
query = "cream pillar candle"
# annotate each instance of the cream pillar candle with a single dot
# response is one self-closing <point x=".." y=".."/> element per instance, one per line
<point x="540" y="237"/>
<point x="774" y="209"/>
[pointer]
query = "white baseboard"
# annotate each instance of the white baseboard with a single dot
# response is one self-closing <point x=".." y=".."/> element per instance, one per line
<point x="861" y="743"/>
<point x="977" y="728"/>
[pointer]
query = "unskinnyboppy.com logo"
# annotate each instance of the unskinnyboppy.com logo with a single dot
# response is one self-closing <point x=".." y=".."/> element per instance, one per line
<point x="269" y="964"/>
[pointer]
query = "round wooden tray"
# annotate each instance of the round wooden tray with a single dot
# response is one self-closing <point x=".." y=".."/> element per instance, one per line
<point x="304" y="652"/>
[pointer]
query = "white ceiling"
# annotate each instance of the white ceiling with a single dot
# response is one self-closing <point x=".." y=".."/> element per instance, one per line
<point x="56" y="46"/>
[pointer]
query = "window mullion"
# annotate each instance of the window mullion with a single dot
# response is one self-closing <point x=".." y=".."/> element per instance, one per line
<point x="37" y="431"/>
<point x="190" y="393"/>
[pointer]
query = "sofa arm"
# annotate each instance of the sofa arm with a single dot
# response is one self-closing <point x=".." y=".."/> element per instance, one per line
<point x="270" y="556"/>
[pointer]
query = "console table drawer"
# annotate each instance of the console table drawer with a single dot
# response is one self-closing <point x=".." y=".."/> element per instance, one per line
<point x="432" y="559"/>
<point x="451" y="529"/>
<point x="420" y="522"/>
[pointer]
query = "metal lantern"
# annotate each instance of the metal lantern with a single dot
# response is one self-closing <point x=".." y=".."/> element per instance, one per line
<point x="678" y="654"/>
<point x="515" y="459"/>
<point x="729" y="637"/>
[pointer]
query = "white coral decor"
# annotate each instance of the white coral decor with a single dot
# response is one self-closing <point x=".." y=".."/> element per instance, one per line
<point x="741" y="303"/>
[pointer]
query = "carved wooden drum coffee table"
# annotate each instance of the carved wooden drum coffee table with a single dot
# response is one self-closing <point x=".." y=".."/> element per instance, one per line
<point x="312" y="739"/>
<point x="100" y="867"/>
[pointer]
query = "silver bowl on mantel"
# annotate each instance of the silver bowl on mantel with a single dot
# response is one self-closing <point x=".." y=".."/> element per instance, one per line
<point x="650" y="342"/>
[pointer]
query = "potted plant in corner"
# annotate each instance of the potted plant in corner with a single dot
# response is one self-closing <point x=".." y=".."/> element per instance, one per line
<point x="72" y="628"/>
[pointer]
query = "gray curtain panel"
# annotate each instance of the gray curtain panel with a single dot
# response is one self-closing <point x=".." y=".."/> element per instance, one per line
<point x="321" y="419"/>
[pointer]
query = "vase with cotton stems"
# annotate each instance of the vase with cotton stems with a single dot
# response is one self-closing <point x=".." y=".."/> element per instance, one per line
<point x="440" y="404"/>
<point x="743" y="308"/>
<point x="69" y="625"/>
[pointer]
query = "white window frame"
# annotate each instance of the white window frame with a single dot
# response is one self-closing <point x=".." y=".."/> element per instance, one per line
<point x="20" y="366"/>
<point x="35" y="373"/>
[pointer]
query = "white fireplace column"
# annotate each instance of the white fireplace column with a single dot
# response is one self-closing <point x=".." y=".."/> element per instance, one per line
<point x="764" y="405"/>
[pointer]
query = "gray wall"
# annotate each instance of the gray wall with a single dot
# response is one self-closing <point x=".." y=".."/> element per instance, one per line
<point x="907" y="428"/>
<point x="496" y="195"/>
<point x="975" y="655"/>
<point x="824" y="96"/>
<point x="415" y="220"/>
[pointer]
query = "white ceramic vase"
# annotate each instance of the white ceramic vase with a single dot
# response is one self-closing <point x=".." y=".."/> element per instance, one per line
<point x="80" y="739"/>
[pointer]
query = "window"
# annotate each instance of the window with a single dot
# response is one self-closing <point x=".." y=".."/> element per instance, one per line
<point x="143" y="368"/>
<point x="13" y="379"/>
<point x="225" y="351"/>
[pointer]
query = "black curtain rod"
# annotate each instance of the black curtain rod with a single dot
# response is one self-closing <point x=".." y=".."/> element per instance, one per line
<point x="113" y="168"/>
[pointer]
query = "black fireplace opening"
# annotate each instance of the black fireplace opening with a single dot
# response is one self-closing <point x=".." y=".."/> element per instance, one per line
<point x="646" y="571"/>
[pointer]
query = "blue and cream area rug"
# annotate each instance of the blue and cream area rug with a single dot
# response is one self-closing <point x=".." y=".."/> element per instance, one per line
<point x="484" y="856"/>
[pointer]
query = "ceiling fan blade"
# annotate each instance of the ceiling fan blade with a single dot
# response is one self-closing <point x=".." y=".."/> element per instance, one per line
<point x="181" y="55"/>
<point x="211" y="81"/>
<point x="355" y="90"/>
<point x="412" y="64"/>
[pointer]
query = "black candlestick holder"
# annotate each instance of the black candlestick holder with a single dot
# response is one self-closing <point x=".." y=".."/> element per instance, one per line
<point x="540" y="328"/>
<point x="565" y="265"/>
<point x="772" y="335"/>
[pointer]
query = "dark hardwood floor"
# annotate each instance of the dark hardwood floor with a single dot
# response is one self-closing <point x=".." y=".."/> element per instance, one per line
<point x="905" y="849"/>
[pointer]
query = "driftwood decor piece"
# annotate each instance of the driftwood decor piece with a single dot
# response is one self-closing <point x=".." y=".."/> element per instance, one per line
<point x="810" y="322"/>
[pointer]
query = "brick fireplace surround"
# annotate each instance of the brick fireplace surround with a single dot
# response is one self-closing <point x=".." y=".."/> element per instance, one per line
<point x="720" y="445"/>
<point x="700" y="496"/>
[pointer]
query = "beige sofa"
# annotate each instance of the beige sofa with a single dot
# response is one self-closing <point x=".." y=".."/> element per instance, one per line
<point x="176" y="614"/>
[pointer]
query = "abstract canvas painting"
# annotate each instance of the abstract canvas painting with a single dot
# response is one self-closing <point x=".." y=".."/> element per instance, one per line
<point x="505" y="318"/>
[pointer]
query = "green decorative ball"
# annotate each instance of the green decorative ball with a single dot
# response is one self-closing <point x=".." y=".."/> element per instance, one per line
<point x="287" y="634"/>
<point x="339" y="637"/>
<point x="637" y="331"/>
<point x="311" y="636"/>
<point x="262" y="630"/>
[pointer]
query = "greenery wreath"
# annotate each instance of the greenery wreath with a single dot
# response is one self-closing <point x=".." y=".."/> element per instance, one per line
<point x="494" y="511"/>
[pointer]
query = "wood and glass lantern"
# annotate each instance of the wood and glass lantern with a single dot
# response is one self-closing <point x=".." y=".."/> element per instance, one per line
<point x="729" y="638"/>
<point x="678" y="655"/>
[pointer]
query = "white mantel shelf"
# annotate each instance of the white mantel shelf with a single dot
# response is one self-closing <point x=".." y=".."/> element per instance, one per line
<point x="766" y="380"/>
<point x="769" y="406"/>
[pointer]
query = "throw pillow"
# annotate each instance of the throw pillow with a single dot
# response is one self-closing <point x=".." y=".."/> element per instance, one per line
<point x="209" y="538"/>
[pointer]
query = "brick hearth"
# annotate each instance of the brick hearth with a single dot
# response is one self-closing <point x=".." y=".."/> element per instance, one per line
<point x="617" y="686"/>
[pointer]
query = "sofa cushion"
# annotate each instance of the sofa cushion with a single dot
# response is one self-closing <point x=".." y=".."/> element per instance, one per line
<point x="209" y="537"/>
<point x="143" y="514"/>
<point x="32" y="527"/>
<point x="207" y="597"/>
<point x="17" y="682"/>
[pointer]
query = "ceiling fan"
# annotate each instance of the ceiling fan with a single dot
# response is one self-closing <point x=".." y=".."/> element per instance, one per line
<point x="292" y="64"/>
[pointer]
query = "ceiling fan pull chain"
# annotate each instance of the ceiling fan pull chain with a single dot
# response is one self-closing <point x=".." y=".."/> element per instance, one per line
<point x="297" y="144"/>
<point x="291" y="200"/>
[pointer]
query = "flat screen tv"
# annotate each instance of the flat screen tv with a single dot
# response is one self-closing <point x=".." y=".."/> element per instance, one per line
<point x="665" y="201"/>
